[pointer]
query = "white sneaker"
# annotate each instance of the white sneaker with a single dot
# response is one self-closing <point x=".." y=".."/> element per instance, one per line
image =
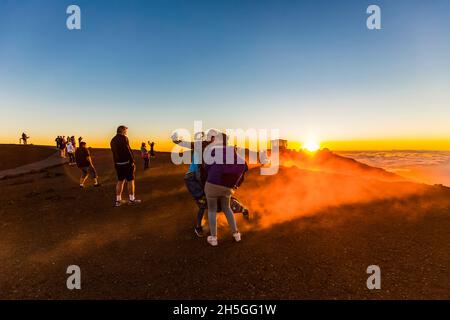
<point x="237" y="236"/>
<point x="212" y="241"/>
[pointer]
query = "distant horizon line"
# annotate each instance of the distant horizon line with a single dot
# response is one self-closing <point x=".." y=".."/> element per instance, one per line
<point x="332" y="150"/>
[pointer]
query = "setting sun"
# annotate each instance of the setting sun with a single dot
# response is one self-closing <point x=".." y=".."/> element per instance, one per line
<point x="311" y="146"/>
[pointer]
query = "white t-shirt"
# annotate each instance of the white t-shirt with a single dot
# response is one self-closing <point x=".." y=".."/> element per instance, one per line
<point x="70" y="148"/>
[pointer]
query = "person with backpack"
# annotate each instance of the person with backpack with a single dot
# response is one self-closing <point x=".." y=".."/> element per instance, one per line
<point x="195" y="177"/>
<point x="84" y="162"/>
<point x="222" y="179"/>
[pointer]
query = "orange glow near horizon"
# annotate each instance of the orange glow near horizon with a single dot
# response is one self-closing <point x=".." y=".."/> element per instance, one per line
<point x="377" y="145"/>
<point x="360" y="145"/>
<point x="310" y="145"/>
<point x="389" y="144"/>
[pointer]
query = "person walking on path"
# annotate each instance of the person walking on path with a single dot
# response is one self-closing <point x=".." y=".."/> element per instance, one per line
<point x="84" y="162"/>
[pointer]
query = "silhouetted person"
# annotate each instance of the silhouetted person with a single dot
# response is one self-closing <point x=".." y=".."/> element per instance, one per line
<point x="24" y="138"/>
<point x="152" y="149"/>
<point x="62" y="147"/>
<point x="145" y="155"/>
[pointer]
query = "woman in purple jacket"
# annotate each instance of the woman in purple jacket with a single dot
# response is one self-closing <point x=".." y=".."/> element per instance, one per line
<point x="223" y="177"/>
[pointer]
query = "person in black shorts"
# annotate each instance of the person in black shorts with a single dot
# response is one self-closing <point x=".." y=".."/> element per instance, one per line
<point x="84" y="162"/>
<point x="124" y="164"/>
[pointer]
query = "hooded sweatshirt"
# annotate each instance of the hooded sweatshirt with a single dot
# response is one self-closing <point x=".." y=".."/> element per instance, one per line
<point x="219" y="171"/>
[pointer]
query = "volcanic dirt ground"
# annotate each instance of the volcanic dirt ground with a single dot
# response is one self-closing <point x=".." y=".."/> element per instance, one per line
<point x="150" y="251"/>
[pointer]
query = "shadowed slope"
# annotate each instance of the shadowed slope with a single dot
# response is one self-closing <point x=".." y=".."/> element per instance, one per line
<point x="13" y="156"/>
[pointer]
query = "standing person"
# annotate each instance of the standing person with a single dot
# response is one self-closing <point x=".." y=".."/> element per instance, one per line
<point x="195" y="177"/>
<point x="62" y="147"/>
<point x="24" y="138"/>
<point x="84" y="162"/>
<point x="71" y="153"/>
<point x="152" y="149"/>
<point x="74" y="141"/>
<point x="145" y="155"/>
<point x="222" y="178"/>
<point x="124" y="164"/>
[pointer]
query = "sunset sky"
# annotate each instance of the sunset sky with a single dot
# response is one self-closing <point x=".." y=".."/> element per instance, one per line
<point x="308" y="68"/>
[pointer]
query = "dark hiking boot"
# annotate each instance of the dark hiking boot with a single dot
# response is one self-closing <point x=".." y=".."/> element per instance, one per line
<point x="199" y="232"/>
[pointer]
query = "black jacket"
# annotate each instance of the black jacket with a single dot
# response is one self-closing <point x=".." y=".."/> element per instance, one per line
<point x="82" y="157"/>
<point x="121" y="150"/>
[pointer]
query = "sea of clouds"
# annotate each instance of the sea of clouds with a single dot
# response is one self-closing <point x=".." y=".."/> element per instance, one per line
<point x="431" y="167"/>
